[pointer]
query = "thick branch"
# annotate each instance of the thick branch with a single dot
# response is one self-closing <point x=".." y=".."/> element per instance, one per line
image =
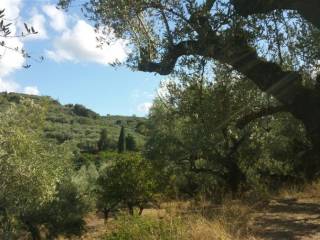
<point x="309" y="9"/>
<point x="232" y="50"/>
<point x="242" y="122"/>
<point x="169" y="59"/>
<point x="208" y="5"/>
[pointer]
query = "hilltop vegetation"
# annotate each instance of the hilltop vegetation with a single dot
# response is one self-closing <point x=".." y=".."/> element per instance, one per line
<point x="78" y="124"/>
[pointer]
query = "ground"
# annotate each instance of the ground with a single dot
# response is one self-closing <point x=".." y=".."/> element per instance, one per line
<point x="281" y="218"/>
<point x="288" y="219"/>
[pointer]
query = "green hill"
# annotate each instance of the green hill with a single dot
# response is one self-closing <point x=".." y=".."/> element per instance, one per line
<point x="76" y="123"/>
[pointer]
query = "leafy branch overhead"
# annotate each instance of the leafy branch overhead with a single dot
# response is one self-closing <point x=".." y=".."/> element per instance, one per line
<point x="6" y="30"/>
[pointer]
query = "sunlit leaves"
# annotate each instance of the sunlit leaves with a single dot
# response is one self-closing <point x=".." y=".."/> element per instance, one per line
<point x="30" y="167"/>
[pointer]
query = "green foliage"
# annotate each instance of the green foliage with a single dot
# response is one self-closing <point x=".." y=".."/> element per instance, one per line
<point x="103" y="143"/>
<point x="30" y="166"/>
<point x="63" y="215"/>
<point x="82" y="111"/>
<point x="131" y="143"/>
<point x="127" y="181"/>
<point x="122" y="141"/>
<point x="85" y="181"/>
<point x="77" y="124"/>
<point x="141" y="128"/>
<point x="196" y="146"/>
<point x="143" y="228"/>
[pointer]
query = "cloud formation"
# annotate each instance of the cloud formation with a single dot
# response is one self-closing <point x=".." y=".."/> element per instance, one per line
<point x="8" y="86"/>
<point x="58" y="20"/>
<point x="12" y="86"/>
<point x="144" y="107"/>
<point x="32" y="90"/>
<point x="68" y="37"/>
<point x="79" y="44"/>
<point x="10" y="60"/>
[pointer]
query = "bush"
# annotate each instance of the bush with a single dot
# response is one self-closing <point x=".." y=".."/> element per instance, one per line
<point x="83" y="111"/>
<point x="63" y="215"/>
<point x="128" y="181"/>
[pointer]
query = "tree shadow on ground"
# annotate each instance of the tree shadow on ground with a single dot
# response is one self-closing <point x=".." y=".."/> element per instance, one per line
<point x="289" y="219"/>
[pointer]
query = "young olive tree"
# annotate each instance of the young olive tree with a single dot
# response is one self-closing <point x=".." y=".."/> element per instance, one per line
<point x="127" y="182"/>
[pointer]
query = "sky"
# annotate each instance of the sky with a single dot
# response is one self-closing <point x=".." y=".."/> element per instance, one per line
<point x="74" y="70"/>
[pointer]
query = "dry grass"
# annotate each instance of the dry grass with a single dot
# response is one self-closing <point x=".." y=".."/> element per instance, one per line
<point x="311" y="190"/>
<point x="186" y="221"/>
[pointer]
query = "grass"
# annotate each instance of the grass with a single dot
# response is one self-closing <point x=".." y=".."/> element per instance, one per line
<point x="310" y="190"/>
<point x="186" y="220"/>
<point x="182" y="221"/>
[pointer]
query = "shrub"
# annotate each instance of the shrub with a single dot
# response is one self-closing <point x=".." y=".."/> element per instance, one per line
<point x="128" y="181"/>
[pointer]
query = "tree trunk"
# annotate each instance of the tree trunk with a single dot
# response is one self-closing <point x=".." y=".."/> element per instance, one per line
<point x="130" y="209"/>
<point x="307" y="109"/>
<point x="311" y="120"/>
<point x="35" y="234"/>
<point x="106" y="212"/>
<point x="235" y="177"/>
<point x="140" y="210"/>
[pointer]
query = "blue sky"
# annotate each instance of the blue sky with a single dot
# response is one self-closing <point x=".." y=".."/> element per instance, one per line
<point x="74" y="70"/>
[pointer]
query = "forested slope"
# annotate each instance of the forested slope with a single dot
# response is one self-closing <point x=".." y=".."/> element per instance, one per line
<point x="79" y="124"/>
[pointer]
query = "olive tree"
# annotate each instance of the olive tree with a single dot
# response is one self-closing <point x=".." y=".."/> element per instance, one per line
<point x="199" y="137"/>
<point x="273" y="43"/>
<point x="127" y="181"/>
<point x="30" y="167"/>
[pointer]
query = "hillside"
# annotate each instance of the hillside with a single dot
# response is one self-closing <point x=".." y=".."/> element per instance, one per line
<point x="79" y="124"/>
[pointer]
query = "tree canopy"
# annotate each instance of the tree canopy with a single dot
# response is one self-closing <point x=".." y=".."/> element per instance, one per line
<point x="275" y="44"/>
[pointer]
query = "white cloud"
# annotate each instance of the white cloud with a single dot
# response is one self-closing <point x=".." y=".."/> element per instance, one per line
<point x="8" y="86"/>
<point x="11" y="86"/>
<point x="12" y="8"/>
<point x="79" y="44"/>
<point x="58" y="20"/>
<point x="11" y="60"/>
<point x="144" y="107"/>
<point x="32" y="90"/>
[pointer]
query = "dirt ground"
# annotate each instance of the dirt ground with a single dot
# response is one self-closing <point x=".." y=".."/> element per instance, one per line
<point x="288" y="219"/>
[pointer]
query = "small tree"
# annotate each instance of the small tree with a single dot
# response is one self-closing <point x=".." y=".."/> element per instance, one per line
<point x="131" y="143"/>
<point x="103" y="143"/>
<point x="127" y="182"/>
<point x="122" y="141"/>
